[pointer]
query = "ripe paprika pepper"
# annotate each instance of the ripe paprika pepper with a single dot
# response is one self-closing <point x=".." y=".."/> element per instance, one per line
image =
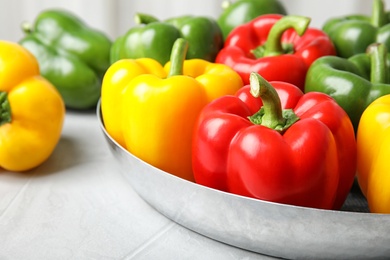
<point x="373" y="169"/>
<point x="115" y="81"/>
<point x="71" y="55"/>
<point x="277" y="47"/>
<point x="31" y="111"/>
<point x="156" y="107"/>
<point x="303" y="155"/>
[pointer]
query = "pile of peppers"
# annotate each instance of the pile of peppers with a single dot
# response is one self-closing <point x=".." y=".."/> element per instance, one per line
<point x="255" y="102"/>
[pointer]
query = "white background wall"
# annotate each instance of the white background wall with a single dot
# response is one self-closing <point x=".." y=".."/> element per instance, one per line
<point x="115" y="17"/>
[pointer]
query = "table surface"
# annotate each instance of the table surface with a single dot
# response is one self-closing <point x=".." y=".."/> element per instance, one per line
<point x="77" y="205"/>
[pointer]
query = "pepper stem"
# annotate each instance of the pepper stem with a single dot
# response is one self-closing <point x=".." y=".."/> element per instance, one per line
<point x="141" y="18"/>
<point x="178" y="55"/>
<point x="378" y="16"/>
<point x="271" y="113"/>
<point x="226" y="4"/>
<point x="379" y="67"/>
<point x="273" y="46"/>
<point x="27" y="27"/>
<point x="5" y="109"/>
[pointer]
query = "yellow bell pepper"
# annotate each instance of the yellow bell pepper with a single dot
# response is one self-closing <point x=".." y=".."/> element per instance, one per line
<point x="151" y="110"/>
<point x="373" y="144"/>
<point x="114" y="82"/>
<point x="31" y="110"/>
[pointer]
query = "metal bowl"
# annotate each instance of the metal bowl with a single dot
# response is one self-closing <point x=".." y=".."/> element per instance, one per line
<point x="264" y="227"/>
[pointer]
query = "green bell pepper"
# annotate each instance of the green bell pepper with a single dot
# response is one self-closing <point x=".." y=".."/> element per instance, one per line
<point x="154" y="39"/>
<point x="352" y="34"/>
<point x="354" y="82"/>
<point x="243" y="11"/>
<point x="71" y="55"/>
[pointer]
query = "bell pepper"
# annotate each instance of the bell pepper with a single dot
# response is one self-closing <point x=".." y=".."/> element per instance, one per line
<point x="285" y="147"/>
<point x="352" y="34"/>
<point x="373" y="144"/>
<point x="31" y="111"/>
<point x="277" y="47"/>
<point x="114" y="82"/>
<point x="154" y="39"/>
<point x="151" y="110"/>
<point x="355" y="82"/>
<point x="71" y="55"/>
<point x="242" y="11"/>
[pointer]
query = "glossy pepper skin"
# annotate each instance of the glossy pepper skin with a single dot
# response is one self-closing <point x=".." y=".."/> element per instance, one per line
<point x="156" y="107"/>
<point x="305" y="155"/>
<point x="31" y="111"/>
<point x="115" y="81"/>
<point x="352" y="34"/>
<point x="71" y="55"/>
<point x="242" y="11"/>
<point x="271" y="45"/>
<point x="154" y="39"/>
<point x="373" y="144"/>
<point x="355" y="82"/>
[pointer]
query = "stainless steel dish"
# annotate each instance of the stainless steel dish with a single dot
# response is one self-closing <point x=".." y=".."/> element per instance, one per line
<point x="263" y="227"/>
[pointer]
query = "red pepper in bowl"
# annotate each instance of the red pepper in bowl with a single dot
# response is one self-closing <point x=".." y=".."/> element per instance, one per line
<point x="287" y="147"/>
<point x="277" y="47"/>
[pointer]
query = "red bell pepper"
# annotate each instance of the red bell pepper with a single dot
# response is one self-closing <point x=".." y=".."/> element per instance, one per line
<point x="279" y="48"/>
<point x="303" y="154"/>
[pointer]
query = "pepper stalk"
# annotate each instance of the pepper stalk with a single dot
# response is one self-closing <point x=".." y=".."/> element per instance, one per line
<point x="271" y="113"/>
<point x="141" y="18"/>
<point x="273" y="45"/>
<point x="178" y="55"/>
<point x="379" y="67"/>
<point x="5" y="109"/>
<point x="226" y="4"/>
<point x="378" y="15"/>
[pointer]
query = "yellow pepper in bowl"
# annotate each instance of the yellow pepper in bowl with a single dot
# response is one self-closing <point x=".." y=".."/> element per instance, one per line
<point x="31" y="110"/>
<point x="373" y="147"/>
<point x="151" y="109"/>
<point x="115" y="81"/>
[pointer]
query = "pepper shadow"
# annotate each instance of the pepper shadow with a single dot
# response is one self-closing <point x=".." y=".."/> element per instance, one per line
<point x="65" y="155"/>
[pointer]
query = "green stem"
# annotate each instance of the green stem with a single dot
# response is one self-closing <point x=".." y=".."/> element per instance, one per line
<point x="27" y="27"/>
<point x="273" y="46"/>
<point x="5" y="109"/>
<point x="378" y="16"/>
<point x="379" y="67"/>
<point x="141" y="18"/>
<point x="271" y="113"/>
<point x="226" y="4"/>
<point x="178" y="55"/>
